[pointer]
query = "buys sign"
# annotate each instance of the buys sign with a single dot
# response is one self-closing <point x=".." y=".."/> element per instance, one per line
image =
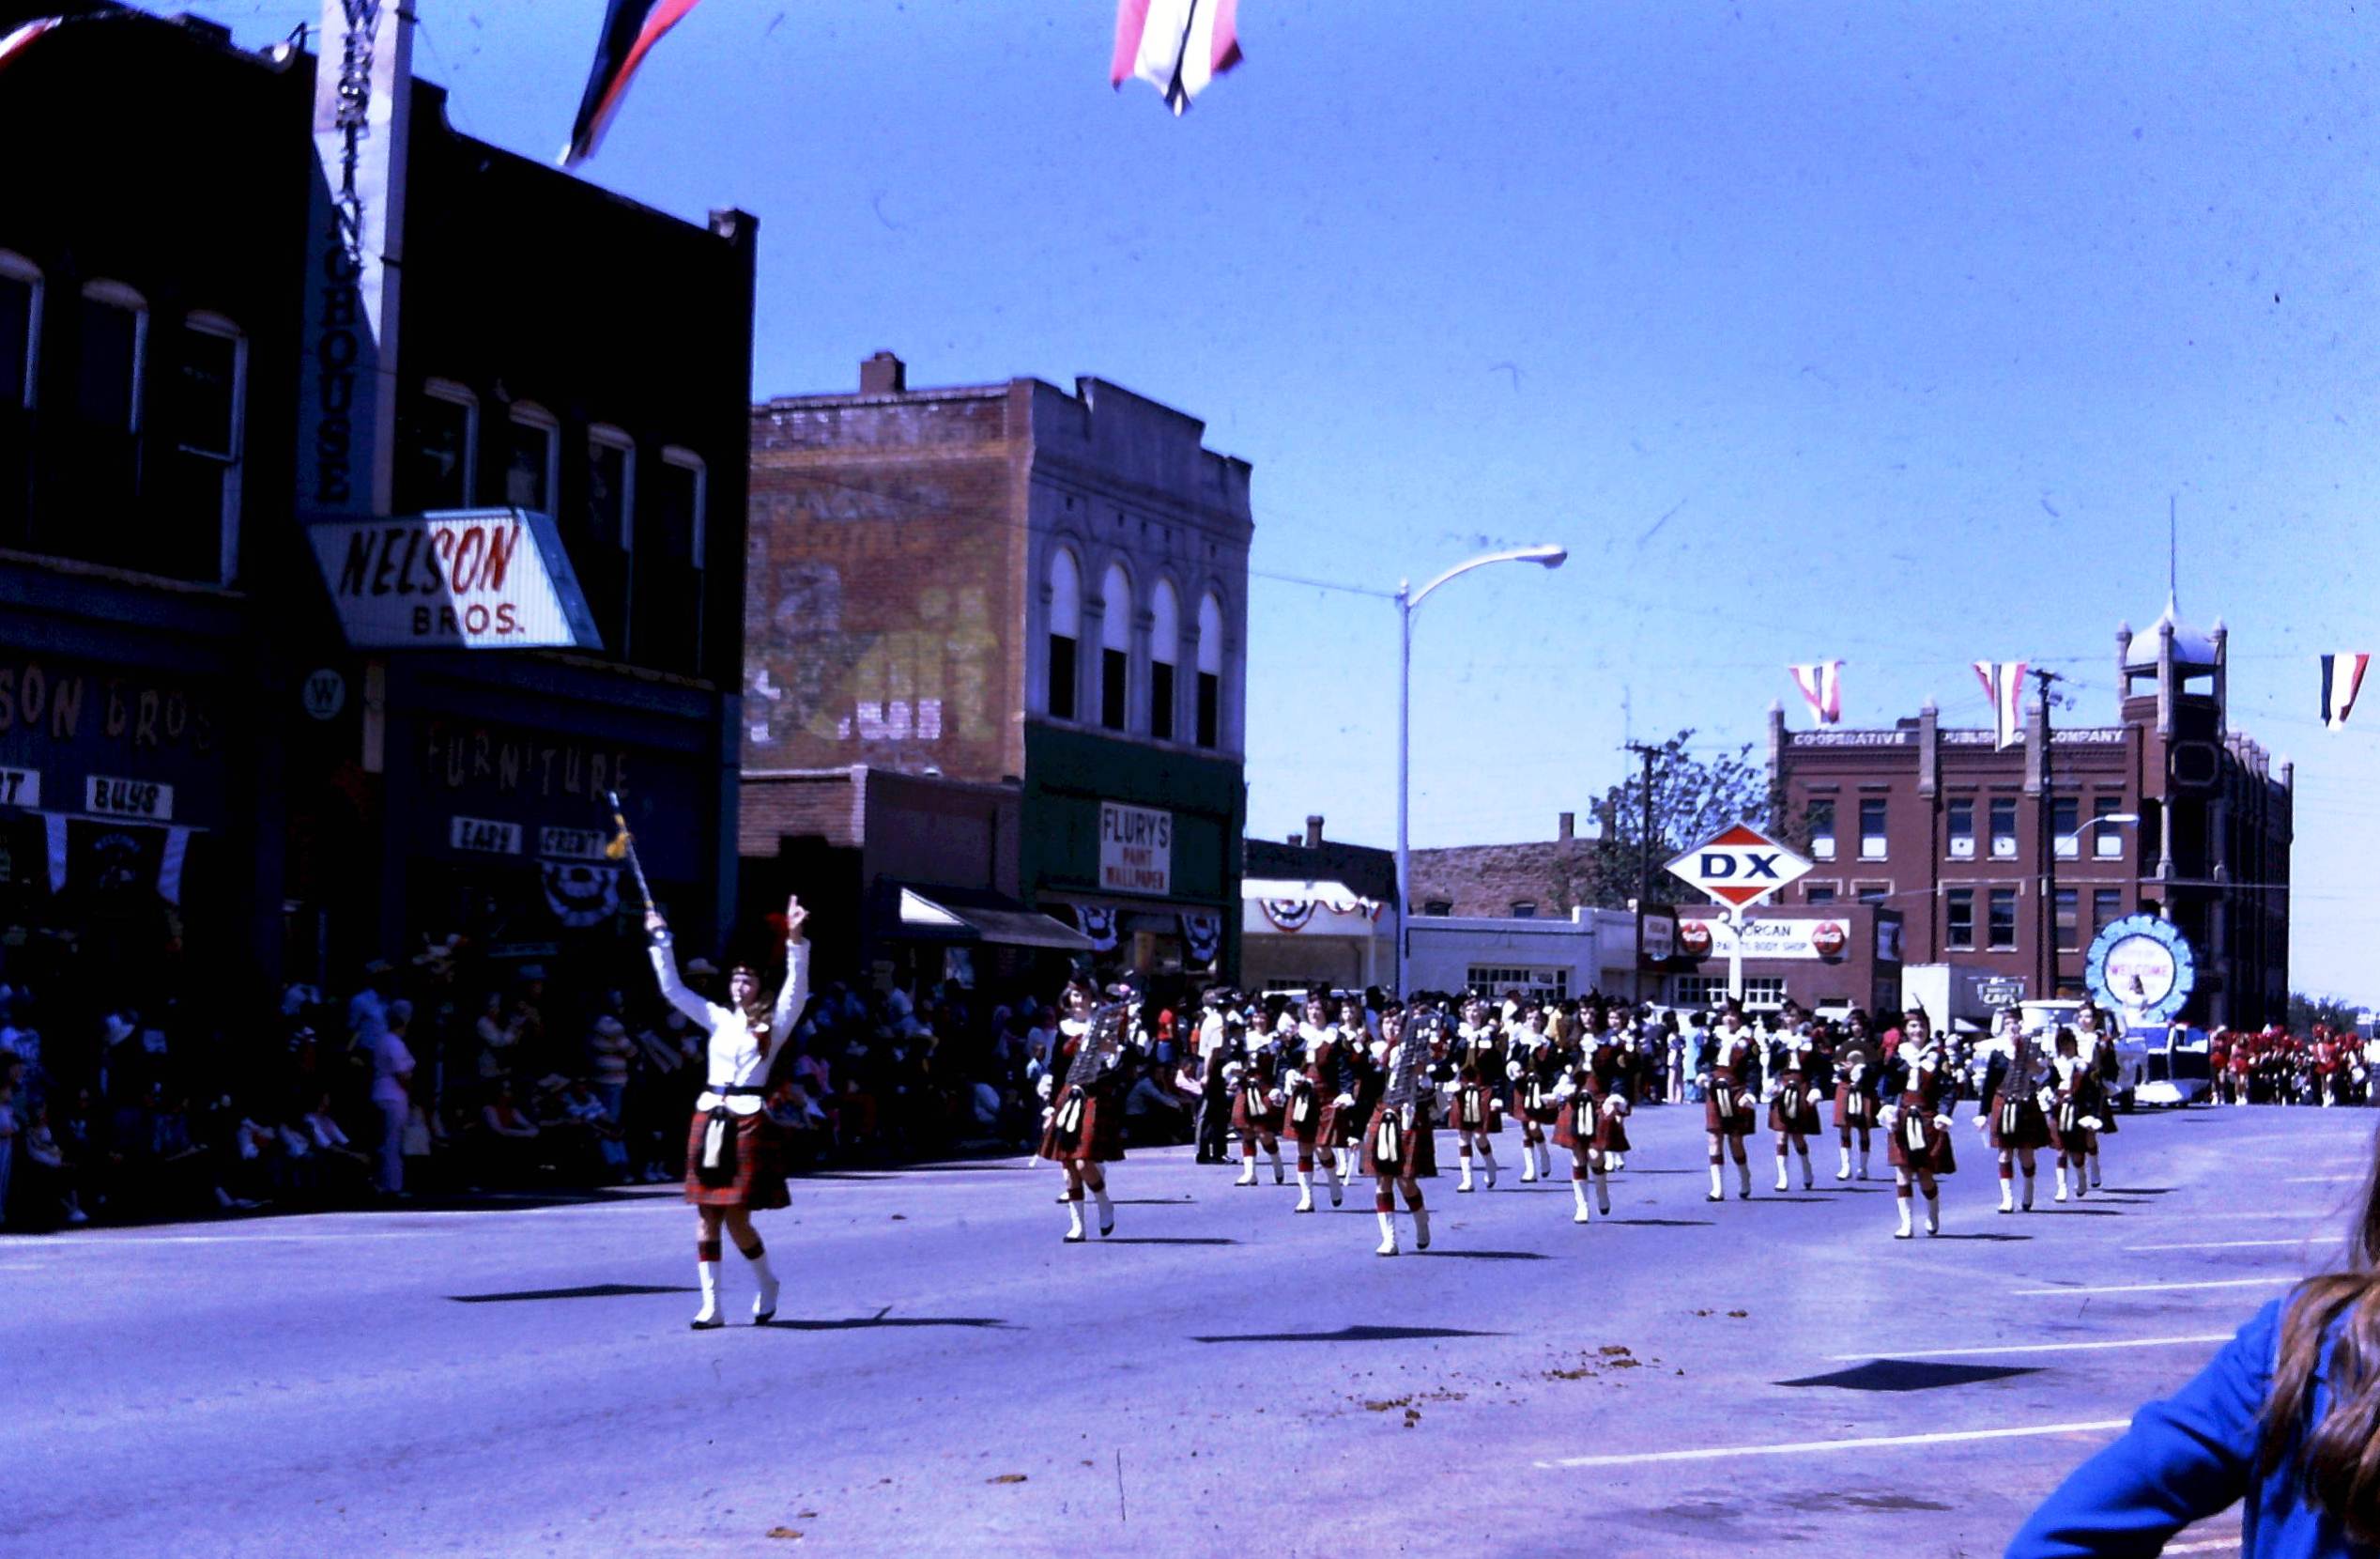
<point x="1136" y="850"/>
<point x="466" y="579"/>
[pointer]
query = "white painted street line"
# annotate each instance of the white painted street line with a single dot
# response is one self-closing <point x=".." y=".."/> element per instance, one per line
<point x="2243" y="1244"/>
<point x="2320" y="1180"/>
<point x="2221" y="1545"/>
<point x="2032" y="1348"/>
<point x="2300" y="1215"/>
<point x="2162" y="1288"/>
<point x="108" y="1242"/>
<point x="1947" y="1437"/>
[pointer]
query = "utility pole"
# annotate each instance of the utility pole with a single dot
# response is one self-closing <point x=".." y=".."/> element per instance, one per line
<point x="1644" y="869"/>
<point x="2048" y="831"/>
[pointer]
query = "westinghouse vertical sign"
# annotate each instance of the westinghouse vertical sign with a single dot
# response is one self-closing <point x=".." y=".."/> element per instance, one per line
<point x="363" y="76"/>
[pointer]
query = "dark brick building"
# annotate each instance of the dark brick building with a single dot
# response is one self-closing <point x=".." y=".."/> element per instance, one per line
<point x="1983" y="851"/>
<point x="1009" y="583"/>
<point x="1535" y="878"/>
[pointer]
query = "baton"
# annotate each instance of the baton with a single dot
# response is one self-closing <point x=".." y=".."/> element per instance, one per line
<point x="624" y="844"/>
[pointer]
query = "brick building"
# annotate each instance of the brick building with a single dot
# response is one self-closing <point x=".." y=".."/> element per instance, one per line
<point x="1007" y="583"/>
<point x="1317" y="911"/>
<point x="1534" y="878"/>
<point x="2168" y="812"/>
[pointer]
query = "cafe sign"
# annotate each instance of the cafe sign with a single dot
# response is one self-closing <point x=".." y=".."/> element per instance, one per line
<point x="1136" y="850"/>
<point x="457" y="579"/>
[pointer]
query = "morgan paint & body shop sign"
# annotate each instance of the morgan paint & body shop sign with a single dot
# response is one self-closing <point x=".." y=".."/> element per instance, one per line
<point x="465" y="579"/>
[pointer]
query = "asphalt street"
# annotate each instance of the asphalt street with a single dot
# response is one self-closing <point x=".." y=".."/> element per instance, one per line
<point x="946" y="1377"/>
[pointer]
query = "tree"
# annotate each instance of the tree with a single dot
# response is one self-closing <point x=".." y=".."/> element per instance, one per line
<point x="1693" y="797"/>
<point x="2306" y="1010"/>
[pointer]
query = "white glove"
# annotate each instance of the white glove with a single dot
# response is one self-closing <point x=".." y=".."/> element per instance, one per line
<point x="2048" y="1099"/>
<point x="1231" y="1072"/>
<point x="1345" y="1101"/>
<point x="1044" y="1086"/>
<point x="1983" y="1122"/>
<point x="1424" y="1083"/>
<point x="1498" y="1105"/>
<point x="1048" y="1115"/>
<point x="1275" y="1099"/>
<point x="1702" y="1079"/>
<point x="1564" y="1088"/>
<point x="2088" y="1122"/>
<point x="1512" y="1071"/>
<point x="1814" y="1096"/>
<point x="1615" y="1106"/>
<point x="1941" y="1122"/>
<point x="1110" y="1061"/>
<point x="1888" y="1115"/>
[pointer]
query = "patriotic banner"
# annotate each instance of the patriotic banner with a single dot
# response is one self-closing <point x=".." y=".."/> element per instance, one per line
<point x="20" y="40"/>
<point x="2342" y="679"/>
<point x="1821" y="684"/>
<point x="2004" y="683"/>
<point x="580" y="895"/>
<point x="631" y="28"/>
<point x="1176" y="46"/>
<point x="1202" y="936"/>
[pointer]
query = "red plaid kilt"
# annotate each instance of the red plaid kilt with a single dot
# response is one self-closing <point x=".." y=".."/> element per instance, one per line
<point x="1790" y="1111"/>
<point x="1473" y="1109"/>
<point x="1337" y="1128"/>
<point x="2067" y="1137"/>
<point x="1547" y="1111"/>
<point x="2033" y="1127"/>
<point x="1742" y="1121"/>
<point x="1100" y="1138"/>
<point x="1937" y="1154"/>
<point x="1306" y="1134"/>
<point x="1250" y="1117"/>
<point x="1419" y="1141"/>
<point x="1852" y="1108"/>
<point x="1605" y="1133"/>
<point x="759" y="1166"/>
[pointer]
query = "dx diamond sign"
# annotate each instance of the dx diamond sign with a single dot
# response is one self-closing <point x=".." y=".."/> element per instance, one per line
<point x="1738" y="866"/>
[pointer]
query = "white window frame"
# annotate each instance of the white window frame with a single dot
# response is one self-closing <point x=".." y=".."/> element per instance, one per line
<point x="17" y="268"/>
<point x="116" y="295"/>
<point x="1872" y="846"/>
<point x="686" y="459"/>
<point x="2068" y="844"/>
<point x="604" y="436"/>
<point x="1062" y="608"/>
<point x="453" y="393"/>
<point x="235" y="459"/>
<point x="1822" y="845"/>
<point x="530" y="414"/>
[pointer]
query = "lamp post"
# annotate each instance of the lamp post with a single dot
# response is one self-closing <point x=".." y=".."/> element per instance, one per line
<point x="2050" y="889"/>
<point x="1409" y="601"/>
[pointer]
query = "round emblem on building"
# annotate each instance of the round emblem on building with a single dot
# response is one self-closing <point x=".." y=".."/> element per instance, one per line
<point x="1694" y="938"/>
<point x="1828" y="938"/>
<point x="324" y="693"/>
<point x="2142" y="965"/>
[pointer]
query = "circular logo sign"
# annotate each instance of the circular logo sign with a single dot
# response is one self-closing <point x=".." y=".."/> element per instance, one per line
<point x="1828" y="938"/>
<point x="2142" y="964"/>
<point x="1694" y="938"/>
<point x="324" y="693"/>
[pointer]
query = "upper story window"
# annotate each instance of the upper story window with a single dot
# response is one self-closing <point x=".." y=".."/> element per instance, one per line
<point x="2066" y="818"/>
<point x="1871" y="827"/>
<point x="19" y="331"/>
<point x="1523" y="910"/>
<point x="531" y="458"/>
<point x="438" y="444"/>
<point x="667" y="591"/>
<point x="110" y="369"/>
<point x="1961" y="809"/>
<point x="2003" y="827"/>
<point x="1438" y="906"/>
<point x="207" y="410"/>
<point x="2106" y="838"/>
<point x="1165" y="653"/>
<point x="1210" y="672"/>
<point x="605" y="533"/>
<point x="1822" y="829"/>
<point x="1066" y="631"/>
<point x="1115" y="647"/>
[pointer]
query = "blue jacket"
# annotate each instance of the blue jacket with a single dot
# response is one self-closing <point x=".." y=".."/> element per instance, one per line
<point x="2184" y="1460"/>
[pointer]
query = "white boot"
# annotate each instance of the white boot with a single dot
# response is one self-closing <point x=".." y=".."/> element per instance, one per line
<point x="1809" y="1177"/>
<point x="1780" y="1173"/>
<point x="764" y="1301"/>
<point x="1843" y="1170"/>
<point x="1305" y="1191"/>
<point x="2097" y="1182"/>
<point x="1602" y="1190"/>
<point x="2082" y="1182"/>
<point x="2007" y="1194"/>
<point x="1330" y="1179"/>
<point x="1487" y="1163"/>
<point x="1388" y="1235"/>
<point x="1529" y="1164"/>
<point x="1247" y="1169"/>
<point x="1107" y="1209"/>
<point x="1579" y="1200"/>
<point x="1933" y="1214"/>
<point x="1901" y="1202"/>
<point x="2060" y="1194"/>
<point x="1074" y="1220"/>
<point x="1744" y="1178"/>
<point x="1718" y="1184"/>
<point x="1544" y="1163"/>
<point x="1420" y="1229"/>
<point x="1863" y="1164"/>
<point x="2029" y="1184"/>
<point x="1347" y="1165"/>
<point x="1466" y="1182"/>
<point x="1281" y="1176"/>
<point x="708" y="1316"/>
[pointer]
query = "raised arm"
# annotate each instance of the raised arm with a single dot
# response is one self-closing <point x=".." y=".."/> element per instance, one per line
<point x="796" y="994"/>
<point x="665" y="970"/>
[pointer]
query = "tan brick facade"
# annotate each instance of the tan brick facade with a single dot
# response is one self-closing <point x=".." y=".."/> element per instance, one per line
<point x="1551" y="876"/>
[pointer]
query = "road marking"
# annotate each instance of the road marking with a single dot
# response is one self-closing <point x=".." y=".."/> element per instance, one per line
<point x="108" y="1242"/>
<point x="2034" y="1347"/>
<point x="2226" y="1545"/>
<point x="1947" y="1437"/>
<point x="2316" y="1180"/>
<point x="2243" y="1244"/>
<point x="2160" y="1288"/>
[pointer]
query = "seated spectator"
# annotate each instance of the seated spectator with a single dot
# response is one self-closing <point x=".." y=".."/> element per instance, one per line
<point x="49" y="1194"/>
<point x="509" y="1135"/>
<point x="584" y="1112"/>
<point x="340" y="1164"/>
<point x="424" y="1142"/>
<point x="1153" y="1112"/>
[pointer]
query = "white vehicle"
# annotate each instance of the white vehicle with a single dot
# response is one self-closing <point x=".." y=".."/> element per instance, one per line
<point x="2178" y="1068"/>
<point x="2044" y="1018"/>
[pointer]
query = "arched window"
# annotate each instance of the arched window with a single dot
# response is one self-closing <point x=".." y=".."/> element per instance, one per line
<point x="1210" y="671"/>
<point x="532" y="459"/>
<point x="437" y="447"/>
<point x="206" y="410"/>
<point x="1066" y="630"/>
<point x="111" y="371"/>
<point x="1115" y="646"/>
<point x="666" y="591"/>
<point x="19" y="390"/>
<point x="1164" y="651"/>
<point x="606" y="534"/>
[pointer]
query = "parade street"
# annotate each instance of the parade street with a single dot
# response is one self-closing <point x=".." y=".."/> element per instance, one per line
<point x="944" y="1376"/>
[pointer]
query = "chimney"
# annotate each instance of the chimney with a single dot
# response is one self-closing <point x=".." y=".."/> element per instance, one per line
<point x="1314" y="830"/>
<point x="883" y="375"/>
<point x="1568" y="829"/>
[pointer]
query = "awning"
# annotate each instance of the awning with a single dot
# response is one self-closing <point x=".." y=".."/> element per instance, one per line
<point x="935" y="919"/>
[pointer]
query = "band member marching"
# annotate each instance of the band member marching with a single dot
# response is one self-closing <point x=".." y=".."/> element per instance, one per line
<point x="1310" y="1091"/>
<point x="1727" y="1104"/>
<point x="1254" y="1080"/>
<point x="2080" y="1110"/>
<point x="1594" y="1108"/>
<point x="1919" y="1119"/>
<point x="2015" y="1084"/>
<point x="1625" y="1069"/>
<point x="1339" y="1131"/>
<point x="734" y="1164"/>
<point x="1398" y="1149"/>
<point x="1857" y="1080"/>
<point x="1531" y="1066"/>
<point x="2094" y="1037"/>
<point x="1087" y="1111"/>
<point x="1477" y="1113"/>
<point x="1793" y="1107"/>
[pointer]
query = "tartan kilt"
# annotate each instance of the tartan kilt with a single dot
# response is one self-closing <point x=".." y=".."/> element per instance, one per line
<point x="1473" y="1109"/>
<point x="1740" y="1122"/>
<point x="1419" y="1141"/>
<point x="1790" y="1111"/>
<point x="1309" y="1133"/>
<point x="2033" y="1127"/>
<point x="760" y="1164"/>
<point x="1936" y="1155"/>
<point x="1101" y="1139"/>
<point x="1611" y="1133"/>
<point x="1547" y="1111"/>
<point x="2070" y="1137"/>
<point x="1250" y="1117"/>
<point x="1337" y="1126"/>
<point x="1853" y="1108"/>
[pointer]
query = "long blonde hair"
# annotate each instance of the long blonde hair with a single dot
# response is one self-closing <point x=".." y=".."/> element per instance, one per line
<point x="2338" y="1456"/>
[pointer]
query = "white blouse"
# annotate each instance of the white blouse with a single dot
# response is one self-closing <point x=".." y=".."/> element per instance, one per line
<point x="737" y="1057"/>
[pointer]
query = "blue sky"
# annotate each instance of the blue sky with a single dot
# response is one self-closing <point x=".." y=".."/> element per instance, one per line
<point x="1883" y="332"/>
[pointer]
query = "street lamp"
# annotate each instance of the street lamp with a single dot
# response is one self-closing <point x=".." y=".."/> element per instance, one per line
<point x="1409" y="601"/>
<point x="2049" y="891"/>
